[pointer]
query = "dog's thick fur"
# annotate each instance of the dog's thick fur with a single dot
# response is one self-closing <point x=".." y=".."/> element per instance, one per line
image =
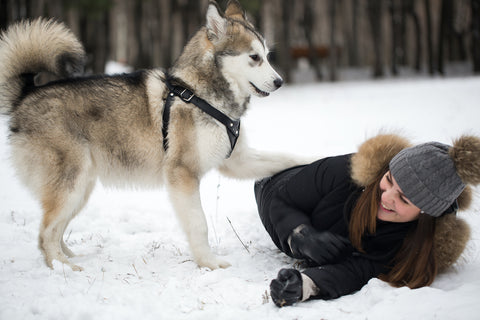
<point x="67" y="134"/>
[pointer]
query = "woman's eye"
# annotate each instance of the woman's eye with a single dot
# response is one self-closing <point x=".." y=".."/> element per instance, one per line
<point x="389" y="179"/>
<point x="255" y="57"/>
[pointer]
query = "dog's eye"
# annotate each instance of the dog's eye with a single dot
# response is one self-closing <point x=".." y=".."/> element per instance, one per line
<point x="255" y="57"/>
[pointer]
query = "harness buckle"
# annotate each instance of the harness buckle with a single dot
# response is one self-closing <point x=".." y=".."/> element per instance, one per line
<point x="186" y="99"/>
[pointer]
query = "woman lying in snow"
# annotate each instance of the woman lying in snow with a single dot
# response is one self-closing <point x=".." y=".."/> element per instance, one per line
<point x="388" y="211"/>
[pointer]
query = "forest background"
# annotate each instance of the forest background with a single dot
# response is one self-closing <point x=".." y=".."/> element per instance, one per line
<point x="380" y="38"/>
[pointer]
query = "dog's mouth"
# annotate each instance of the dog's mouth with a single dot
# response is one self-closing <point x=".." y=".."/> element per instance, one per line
<point x="259" y="92"/>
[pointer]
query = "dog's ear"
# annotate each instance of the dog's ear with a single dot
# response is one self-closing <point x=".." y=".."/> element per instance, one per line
<point x="216" y="24"/>
<point x="234" y="10"/>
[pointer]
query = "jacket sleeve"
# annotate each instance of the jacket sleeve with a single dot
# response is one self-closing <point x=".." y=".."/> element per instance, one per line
<point x="344" y="278"/>
<point x="294" y="202"/>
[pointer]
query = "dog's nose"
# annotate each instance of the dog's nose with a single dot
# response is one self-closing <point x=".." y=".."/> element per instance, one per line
<point x="278" y="82"/>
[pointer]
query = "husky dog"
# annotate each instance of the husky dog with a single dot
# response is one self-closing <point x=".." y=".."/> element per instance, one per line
<point x="68" y="133"/>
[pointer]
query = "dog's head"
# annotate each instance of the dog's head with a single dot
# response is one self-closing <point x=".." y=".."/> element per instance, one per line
<point x="240" y="51"/>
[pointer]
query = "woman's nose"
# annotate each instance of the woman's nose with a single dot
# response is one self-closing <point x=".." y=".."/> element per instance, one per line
<point x="387" y="196"/>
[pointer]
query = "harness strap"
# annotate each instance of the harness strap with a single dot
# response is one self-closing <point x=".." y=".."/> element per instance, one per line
<point x="166" y="119"/>
<point x="232" y="126"/>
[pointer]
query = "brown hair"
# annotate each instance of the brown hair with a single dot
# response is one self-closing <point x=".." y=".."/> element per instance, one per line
<point x="414" y="265"/>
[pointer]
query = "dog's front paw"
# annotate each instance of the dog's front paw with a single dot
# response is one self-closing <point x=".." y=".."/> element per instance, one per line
<point x="212" y="262"/>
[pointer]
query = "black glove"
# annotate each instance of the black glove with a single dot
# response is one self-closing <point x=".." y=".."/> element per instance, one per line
<point x="321" y="247"/>
<point x="287" y="288"/>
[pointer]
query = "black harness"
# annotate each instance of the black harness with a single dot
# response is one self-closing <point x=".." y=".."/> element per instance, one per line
<point x="232" y="126"/>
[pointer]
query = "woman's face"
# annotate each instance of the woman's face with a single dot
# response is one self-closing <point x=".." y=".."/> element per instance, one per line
<point x="394" y="205"/>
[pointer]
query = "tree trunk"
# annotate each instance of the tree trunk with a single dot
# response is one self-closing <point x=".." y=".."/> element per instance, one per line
<point x="36" y="8"/>
<point x="267" y="24"/>
<point x="375" y="19"/>
<point x="132" y="33"/>
<point x="177" y="34"/>
<point x="410" y="11"/>
<point x="309" y="20"/>
<point x="192" y="17"/>
<point x="4" y="21"/>
<point x="54" y="9"/>
<point x="476" y="35"/>
<point x="284" y="52"/>
<point x="395" y="25"/>
<point x="333" y="47"/>
<point x="119" y="32"/>
<point x="428" y="22"/>
<point x="101" y="51"/>
<point x="354" y="55"/>
<point x="444" y="34"/>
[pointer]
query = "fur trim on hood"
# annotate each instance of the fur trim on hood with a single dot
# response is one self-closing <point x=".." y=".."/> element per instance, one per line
<point x="451" y="232"/>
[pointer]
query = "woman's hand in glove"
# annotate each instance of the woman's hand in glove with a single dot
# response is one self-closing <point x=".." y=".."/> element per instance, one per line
<point x="321" y="247"/>
<point x="286" y="289"/>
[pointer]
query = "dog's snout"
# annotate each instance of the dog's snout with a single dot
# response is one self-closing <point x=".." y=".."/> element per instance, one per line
<point x="278" y="82"/>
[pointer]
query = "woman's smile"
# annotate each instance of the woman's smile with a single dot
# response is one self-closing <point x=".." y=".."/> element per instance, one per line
<point x="386" y="208"/>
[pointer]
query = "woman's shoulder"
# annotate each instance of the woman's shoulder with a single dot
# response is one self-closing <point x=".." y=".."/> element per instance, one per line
<point x="339" y="163"/>
<point x="333" y="169"/>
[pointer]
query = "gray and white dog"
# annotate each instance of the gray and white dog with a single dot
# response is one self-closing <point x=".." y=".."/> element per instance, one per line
<point x="66" y="134"/>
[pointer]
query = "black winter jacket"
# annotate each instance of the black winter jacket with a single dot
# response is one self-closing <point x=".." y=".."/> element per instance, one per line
<point x="323" y="195"/>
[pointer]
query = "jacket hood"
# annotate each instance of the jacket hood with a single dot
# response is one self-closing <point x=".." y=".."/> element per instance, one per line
<point x="451" y="232"/>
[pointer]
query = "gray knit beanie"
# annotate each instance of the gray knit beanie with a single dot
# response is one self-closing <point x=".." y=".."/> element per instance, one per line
<point x="428" y="177"/>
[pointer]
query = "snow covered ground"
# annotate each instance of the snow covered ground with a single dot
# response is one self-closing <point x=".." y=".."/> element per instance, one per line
<point x="138" y="265"/>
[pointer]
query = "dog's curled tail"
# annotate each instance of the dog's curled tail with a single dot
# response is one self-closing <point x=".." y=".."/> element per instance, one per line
<point x="30" y="47"/>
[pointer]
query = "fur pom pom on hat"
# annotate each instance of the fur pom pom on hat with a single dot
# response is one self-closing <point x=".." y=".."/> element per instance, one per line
<point x="433" y="175"/>
<point x="466" y="157"/>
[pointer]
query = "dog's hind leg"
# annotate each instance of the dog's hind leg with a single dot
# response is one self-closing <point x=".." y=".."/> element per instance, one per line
<point x="87" y="193"/>
<point x="55" y="218"/>
<point x="61" y="201"/>
<point x="185" y="196"/>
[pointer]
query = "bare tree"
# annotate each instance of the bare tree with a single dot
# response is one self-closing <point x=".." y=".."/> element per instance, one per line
<point x="409" y="9"/>
<point x="396" y="32"/>
<point x="476" y="35"/>
<point x="308" y="24"/>
<point x="375" y="19"/>
<point x="444" y="33"/>
<point x="284" y="58"/>
<point x="4" y="15"/>
<point x="119" y="32"/>
<point x="354" y="60"/>
<point x="332" y="8"/>
<point x="428" y="22"/>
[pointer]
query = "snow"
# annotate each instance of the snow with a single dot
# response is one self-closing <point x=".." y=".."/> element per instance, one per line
<point x="137" y="262"/>
<point x="115" y="67"/>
